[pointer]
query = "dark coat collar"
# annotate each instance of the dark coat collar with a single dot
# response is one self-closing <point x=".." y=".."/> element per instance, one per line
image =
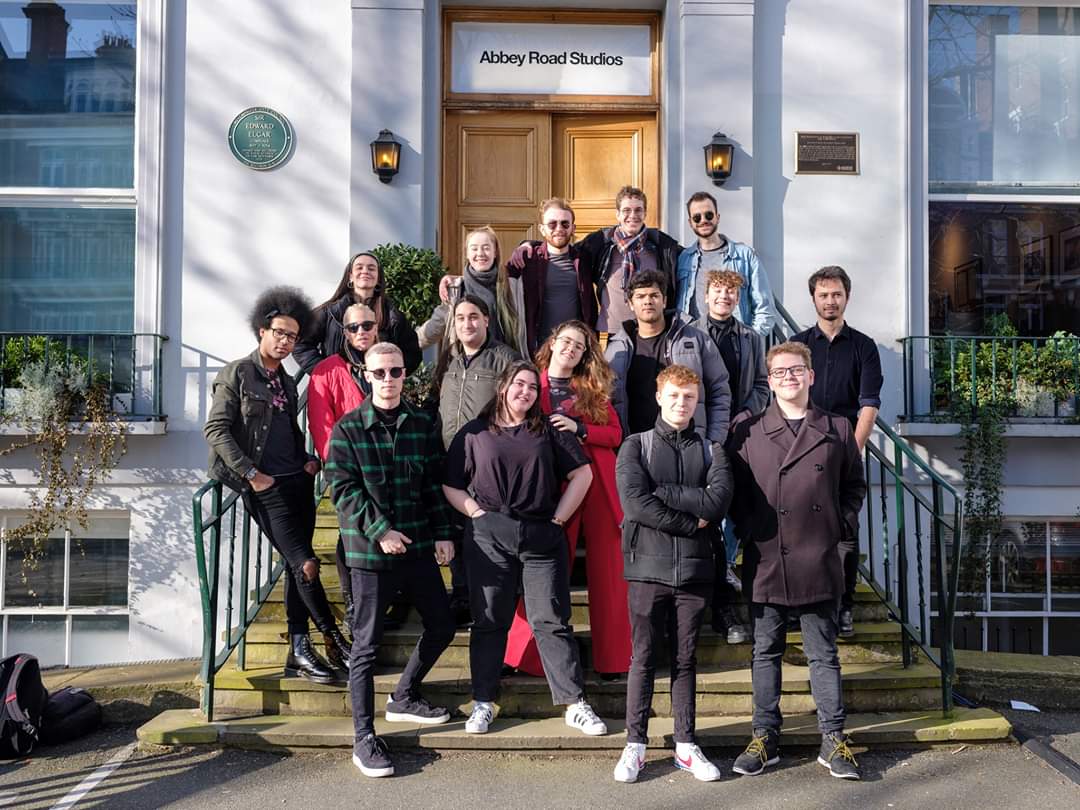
<point x="816" y="428"/>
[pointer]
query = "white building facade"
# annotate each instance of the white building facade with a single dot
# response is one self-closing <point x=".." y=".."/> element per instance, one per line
<point x="123" y="210"/>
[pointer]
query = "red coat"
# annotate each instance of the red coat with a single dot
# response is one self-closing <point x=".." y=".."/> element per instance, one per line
<point x="332" y="393"/>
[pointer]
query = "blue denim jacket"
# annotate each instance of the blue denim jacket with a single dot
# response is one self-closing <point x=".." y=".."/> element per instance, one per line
<point x="756" y="307"/>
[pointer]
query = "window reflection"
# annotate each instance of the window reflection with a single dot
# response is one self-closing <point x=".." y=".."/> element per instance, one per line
<point x="67" y="94"/>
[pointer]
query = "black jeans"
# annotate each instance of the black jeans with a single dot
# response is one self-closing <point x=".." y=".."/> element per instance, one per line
<point x="818" y="623"/>
<point x="418" y="576"/>
<point x="459" y="577"/>
<point x="849" y="558"/>
<point x="286" y="515"/>
<point x="501" y="551"/>
<point x="343" y="570"/>
<point x="659" y="612"/>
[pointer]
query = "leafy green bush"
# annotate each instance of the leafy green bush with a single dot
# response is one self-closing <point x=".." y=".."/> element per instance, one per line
<point x="412" y="279"/>
<point x="20" y="352"/>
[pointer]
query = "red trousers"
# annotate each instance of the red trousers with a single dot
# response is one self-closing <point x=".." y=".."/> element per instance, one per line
<point x="609" y="614"/>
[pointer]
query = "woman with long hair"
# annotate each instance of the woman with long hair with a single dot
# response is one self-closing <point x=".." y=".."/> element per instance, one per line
<point x="363" y="282"/>
<point x="338" y="386"/>
<point x="575" y="393"/>
<point x="486" y="278"/>
<point x="505" y="471"/>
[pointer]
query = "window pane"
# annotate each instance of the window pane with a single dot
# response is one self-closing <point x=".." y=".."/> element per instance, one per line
<point x="1015" y="635"/>
<point x="1018" y="567"/>
<point x="42" y="636"/>
<point x="67" y="269"/>
<point x="67" y="94"/>
<point x="1003" y="94"/>
<point x="99" y="572"/>
<point x="98" y="640"/>
<point x="1017" y="261"/>
<point x="1065" y="565"/>
<point x="1065" y="636"/>
<point x="40" y="586"/>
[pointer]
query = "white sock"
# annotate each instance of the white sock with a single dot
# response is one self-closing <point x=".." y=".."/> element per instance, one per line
<point x="639" y="748"/>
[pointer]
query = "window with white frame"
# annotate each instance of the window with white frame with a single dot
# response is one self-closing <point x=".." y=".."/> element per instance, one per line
<point x="1029" y="599"/>
<point x="67" y="166"/>
<point x="69" y="605"/>
<point x="1003" y="101"/>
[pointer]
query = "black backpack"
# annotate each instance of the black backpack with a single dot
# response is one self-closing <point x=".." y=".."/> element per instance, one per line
<point x="70" y="713"/>
<point x="24" y="703"/>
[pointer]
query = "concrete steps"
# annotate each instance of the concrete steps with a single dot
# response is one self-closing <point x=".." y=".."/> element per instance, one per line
<point x="510" y="735"/>
<point x="867" y="688"/>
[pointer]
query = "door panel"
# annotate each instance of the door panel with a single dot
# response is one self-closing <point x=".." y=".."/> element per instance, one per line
<point x="496" y="170"/>
<point x="593" y="156"/>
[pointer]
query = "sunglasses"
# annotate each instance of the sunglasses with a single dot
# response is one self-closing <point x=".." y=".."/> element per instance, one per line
<point x="559" y="223"/>
<point x="380" y="373"/>
<point x="356" y="326"/>
<point x="708" y="215"/>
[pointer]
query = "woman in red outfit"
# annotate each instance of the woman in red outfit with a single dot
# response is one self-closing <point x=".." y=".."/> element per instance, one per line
<point x="575" y="390"/>
<point x="337" y="386"/>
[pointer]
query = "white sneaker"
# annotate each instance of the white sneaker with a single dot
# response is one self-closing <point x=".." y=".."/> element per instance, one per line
<point x="630" y="763"/>
<point x="688" y="757"/>
<point x="581" y="716"/>
<point x="482" y="715"/>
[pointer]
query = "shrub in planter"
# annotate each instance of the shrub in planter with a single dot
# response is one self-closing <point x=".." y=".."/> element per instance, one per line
<point x="412" y="279"/>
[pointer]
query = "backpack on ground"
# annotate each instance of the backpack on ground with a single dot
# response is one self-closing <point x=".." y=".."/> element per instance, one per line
<point x="70" y="713"/>
<point x="24" y="697"/>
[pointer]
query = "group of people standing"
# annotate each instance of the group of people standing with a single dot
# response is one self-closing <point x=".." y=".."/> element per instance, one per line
<point x="569" y="399"/>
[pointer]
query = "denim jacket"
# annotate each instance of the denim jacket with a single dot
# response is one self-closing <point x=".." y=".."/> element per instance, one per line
<point x="756" y="308"/>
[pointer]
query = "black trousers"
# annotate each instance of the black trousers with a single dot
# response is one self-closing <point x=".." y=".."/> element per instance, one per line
<point x="417" y="576"/>
<point x="849" y="557"/>
<point x="286" y="515"/>
<point x="501" y="552"/>
<point x="818" y="623"/>
<point x="659" y="613"/>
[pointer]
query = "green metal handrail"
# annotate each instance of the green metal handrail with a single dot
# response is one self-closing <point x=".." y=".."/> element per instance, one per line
<point x="939" y="372"/>
<point x="218" y="527"/>
<point x="895" y="539"/>
<point x="128" y="364"/>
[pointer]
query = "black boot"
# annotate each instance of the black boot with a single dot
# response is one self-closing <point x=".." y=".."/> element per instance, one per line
<point x="303" y="662"/>
<point x="338" y="651"/>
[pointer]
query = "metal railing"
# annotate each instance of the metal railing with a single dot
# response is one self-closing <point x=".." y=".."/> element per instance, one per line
<point x="1034" y="377"/>
<point x="913" y="531"/>
<point x="128" y="364"/>
<point x="246" y="576"/>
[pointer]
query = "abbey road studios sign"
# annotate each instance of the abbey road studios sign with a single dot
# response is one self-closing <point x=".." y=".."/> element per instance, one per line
<point x="826" y="153"/>
<point x="602" y="60"/>
<point x="261" y="138"/>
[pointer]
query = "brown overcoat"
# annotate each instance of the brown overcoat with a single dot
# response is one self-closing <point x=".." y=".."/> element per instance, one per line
<point x="796" y="497"/>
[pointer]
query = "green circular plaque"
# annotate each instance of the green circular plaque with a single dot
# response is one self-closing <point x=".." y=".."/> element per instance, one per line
<point x="261" y="138"/>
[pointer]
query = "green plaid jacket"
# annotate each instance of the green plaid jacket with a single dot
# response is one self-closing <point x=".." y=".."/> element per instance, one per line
<point x="377" y="487"/>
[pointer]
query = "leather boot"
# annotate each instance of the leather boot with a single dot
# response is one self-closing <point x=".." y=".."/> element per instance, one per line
<point x="338" y="651"/>
<point x="303" y="662"/>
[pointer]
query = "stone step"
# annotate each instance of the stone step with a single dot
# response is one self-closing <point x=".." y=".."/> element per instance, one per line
<point x="550" y="735"/>
<point x="867" y="688"/>
<point x="872" y="643"/>
<point x="867" y="607"/>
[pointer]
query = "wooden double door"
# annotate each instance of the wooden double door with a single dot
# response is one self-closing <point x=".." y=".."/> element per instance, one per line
<point x="499" y="166"/>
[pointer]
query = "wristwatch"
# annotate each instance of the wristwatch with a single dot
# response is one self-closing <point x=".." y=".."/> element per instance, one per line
<point x="250" y="474"/>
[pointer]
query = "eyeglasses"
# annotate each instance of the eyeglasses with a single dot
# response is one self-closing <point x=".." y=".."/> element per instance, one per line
<point x="380" y="373"/>
<point x="356" y="326"/>
<point x="780" y="373"/>
<point x="567" y="341"/>
<point x="559" y="223"/>
<point x="281" y="334"/>
<point x="626" y="212"/>
<point x="708" y="216"/>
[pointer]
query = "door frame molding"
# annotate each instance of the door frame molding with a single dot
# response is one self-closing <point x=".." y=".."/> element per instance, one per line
<point x="550" y="101"/>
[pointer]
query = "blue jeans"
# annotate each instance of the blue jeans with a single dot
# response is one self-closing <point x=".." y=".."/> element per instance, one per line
<point x="818" y="622"/>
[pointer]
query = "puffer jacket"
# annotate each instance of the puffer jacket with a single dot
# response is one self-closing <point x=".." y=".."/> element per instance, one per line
<point x="326" y="335"/>
<point x="240" y="417"/>
<point x="468" y="386"/>
<point x="662" y="501"/>
<point x="684" y="345"/>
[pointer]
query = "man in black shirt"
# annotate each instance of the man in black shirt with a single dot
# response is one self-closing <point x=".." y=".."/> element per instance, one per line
<point x="847" y="382"/>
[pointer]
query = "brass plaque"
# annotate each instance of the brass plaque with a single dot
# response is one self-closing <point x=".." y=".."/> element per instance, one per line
<point x="826" y="153"/>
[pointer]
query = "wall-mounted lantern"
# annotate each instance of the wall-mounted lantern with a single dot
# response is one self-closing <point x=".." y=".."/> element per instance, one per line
<point x="719" y="157"/>
<point x="385" y="155"/>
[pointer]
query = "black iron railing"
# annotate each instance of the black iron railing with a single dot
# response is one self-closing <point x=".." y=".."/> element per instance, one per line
<point x="127" y="364"/>
<point x="912" y="521"/>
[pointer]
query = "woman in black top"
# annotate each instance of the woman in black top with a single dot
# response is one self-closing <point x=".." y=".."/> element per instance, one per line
<point x="505" y="471"/>
<point x="362" y="283"/>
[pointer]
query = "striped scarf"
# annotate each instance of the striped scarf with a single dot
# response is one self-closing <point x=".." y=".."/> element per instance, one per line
<point x="630" y="249"/>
